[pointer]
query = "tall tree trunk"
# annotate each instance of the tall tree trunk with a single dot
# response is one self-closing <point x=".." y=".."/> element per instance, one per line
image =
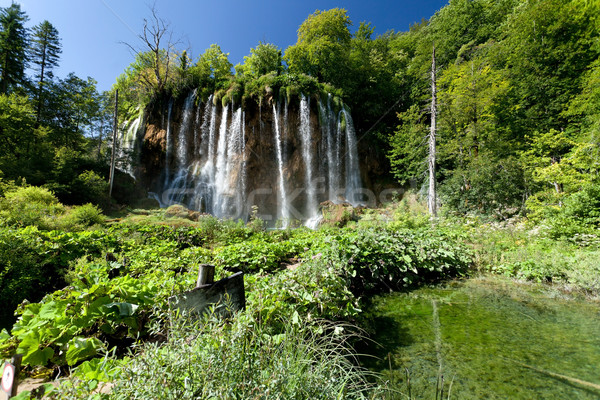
<point x="100" y="137"/>
<point x="431" y="196"/>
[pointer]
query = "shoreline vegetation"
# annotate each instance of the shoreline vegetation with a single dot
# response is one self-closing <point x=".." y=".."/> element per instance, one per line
<point x="109" y="324"/>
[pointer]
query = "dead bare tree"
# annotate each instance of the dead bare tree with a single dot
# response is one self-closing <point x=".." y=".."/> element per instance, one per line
<point x="432" y="196"/>
<point x="157" y="50"/>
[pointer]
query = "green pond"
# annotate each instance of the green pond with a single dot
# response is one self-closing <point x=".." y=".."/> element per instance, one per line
<point x="489" y="338"/>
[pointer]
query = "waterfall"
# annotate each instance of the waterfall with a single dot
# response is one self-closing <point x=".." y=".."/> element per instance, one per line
<point x="196" y="127"/>
<point x="242" y="191"/>
<point x="204" y="188"/>
<point x="283" y="207"/>
<point x="207" y="163"/>
<point x="353" y="181"/>
<point x="233" y="172"/>
<point x="285" y="128"/>
<point x="126" y="144"/>
<point x="169" y="143"/>
<point x="306" y="139"/>
<point x="221" y="166"/>
<point x="329" y="128"/>
<point x="177" y="188"/>
<point x="182" y="143"/>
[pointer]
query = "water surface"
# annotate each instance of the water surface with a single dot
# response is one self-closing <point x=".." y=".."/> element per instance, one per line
<point x="488" y="338"/>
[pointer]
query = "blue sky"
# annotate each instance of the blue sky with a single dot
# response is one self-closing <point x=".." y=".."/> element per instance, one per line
<point x="92" y="30"/>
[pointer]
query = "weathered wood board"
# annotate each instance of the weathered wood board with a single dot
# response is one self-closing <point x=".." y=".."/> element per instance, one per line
<point x="227" y="295"/>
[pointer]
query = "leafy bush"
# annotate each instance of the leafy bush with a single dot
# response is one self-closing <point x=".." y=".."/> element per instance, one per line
<point x="256" y="254"/>
<point x="84" y="216"/>
<point x="580" y="214"/>
<point x="32" y="263"/>
<point x="384" y="258"/>
<point x="89" y="187"/>
<point x="30" y="205"/>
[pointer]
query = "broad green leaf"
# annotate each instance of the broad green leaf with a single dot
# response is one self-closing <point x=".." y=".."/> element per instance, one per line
<point x="80" y="349"/>
<point x="123" y="309"/>
<point x="33" y="351"/>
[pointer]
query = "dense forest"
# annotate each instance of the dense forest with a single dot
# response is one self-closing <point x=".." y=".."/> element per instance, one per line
<point x="517" y="161"/>
<point x="517" y="100"/>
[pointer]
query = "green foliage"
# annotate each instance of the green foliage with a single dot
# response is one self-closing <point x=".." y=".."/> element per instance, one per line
<point x="263" y="59"/>
<point x="35" y="262"/>
<point x="488" y="186"/>
<point x="36" y="206"/>
<point x="388" y="259"/>
<point x="214" y="64"/>
<point x="241" y="359"/>
<point x="30" y="206"/>
<point x="408" y="151"/>
<point x="84" y="216"/>
<point x="109" y="307"/>
<point x="580" y="214"/>
<point x="322" y="49"/>
<point x="257" y="254"/>
<point x="44" y="53"/>
<point x="13" y="47"/>
<point x="91" y="187"/>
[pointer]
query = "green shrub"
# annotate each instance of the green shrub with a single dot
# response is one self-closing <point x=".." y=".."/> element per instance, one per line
<point x="384" y="258"/>
<point x="30" y="206"/>
<point x="580" y="214"/>
<point x="411" y="213"/>
<point x="33" y="263"/>
<point x="89" y="187"/>
<point x="82" y="217"/>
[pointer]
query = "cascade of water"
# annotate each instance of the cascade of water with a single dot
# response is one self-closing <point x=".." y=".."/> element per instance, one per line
<point x="327" y="127"/>
<point x="306" y="139"/>
<point x="338" y="155"/>
<point x="182" y="142"/>
<point x="242" y="191"/>
<point x="197" y="128"/>
<point x="353" y="181"/>
<point x="169" y="143"/>
<point x="204" y="189"/>
<point x="233" y="176"/>
<point x="126" y="145"/>
<point x="177" y="188"/>
<point x="221" y="165"/>
<point x="283" y="207"/>
<point x="285" y="130"/>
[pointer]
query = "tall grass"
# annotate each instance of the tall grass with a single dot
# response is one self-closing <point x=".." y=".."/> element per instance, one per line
<point x="238" y="359"/>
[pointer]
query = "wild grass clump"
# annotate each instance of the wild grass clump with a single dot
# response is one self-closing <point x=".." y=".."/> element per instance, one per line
<point x="240" y="359"/>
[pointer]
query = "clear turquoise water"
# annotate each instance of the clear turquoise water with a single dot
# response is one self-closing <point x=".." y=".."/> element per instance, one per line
<point x="494" y="339"/>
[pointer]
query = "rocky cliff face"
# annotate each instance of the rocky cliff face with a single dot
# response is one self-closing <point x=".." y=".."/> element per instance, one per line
<point x="285" y="158"/>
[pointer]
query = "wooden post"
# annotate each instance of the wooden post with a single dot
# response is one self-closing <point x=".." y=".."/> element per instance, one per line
<point x="16" y="361"/>
<point x="206" y="275"/>
<point x="114" y="146"/>
<point x="431" y="195"/>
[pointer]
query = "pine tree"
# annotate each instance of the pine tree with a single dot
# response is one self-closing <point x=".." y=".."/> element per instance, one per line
<point x="13" y="47"/>
<point x="45" y="50"/>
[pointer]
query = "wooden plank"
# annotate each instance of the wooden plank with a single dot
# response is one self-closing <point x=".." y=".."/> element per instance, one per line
<point x="206" y="275"/>
<point x="227" y="295"/>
